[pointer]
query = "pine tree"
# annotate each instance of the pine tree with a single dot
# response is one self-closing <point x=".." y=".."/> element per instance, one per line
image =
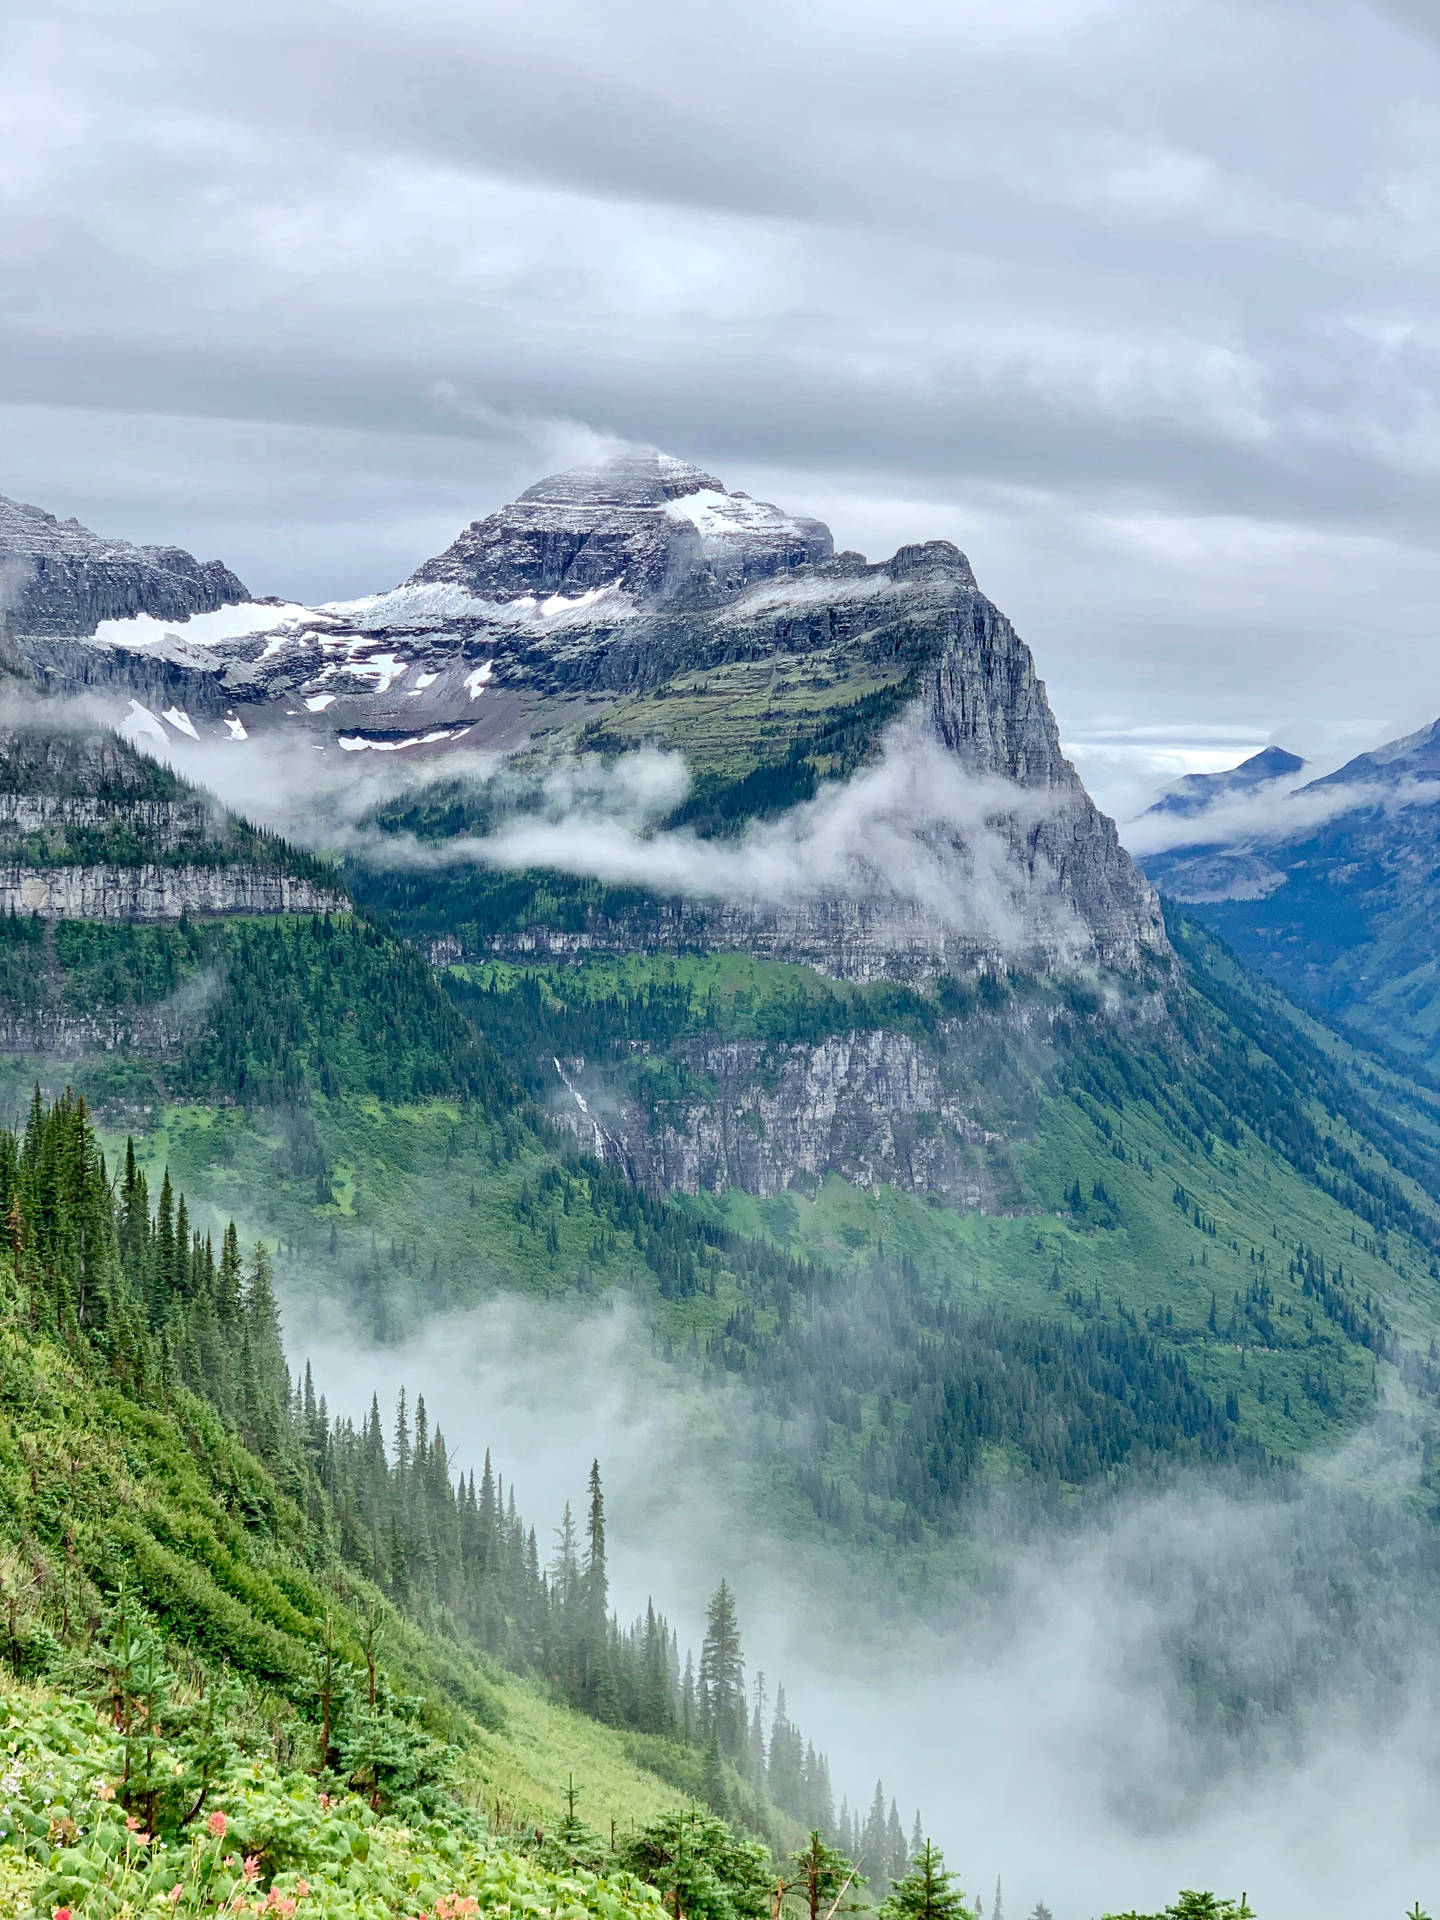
<point x="927" y="1892"/>
<point x="821" y="1876"/>
<point x="722" y="1674"/>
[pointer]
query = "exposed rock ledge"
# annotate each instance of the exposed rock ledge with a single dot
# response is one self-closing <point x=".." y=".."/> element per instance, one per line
<point x="158" y="893"/>
<point x="871" y="1106"/>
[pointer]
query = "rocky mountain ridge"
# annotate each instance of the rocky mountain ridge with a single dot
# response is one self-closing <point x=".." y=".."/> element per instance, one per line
<point x="92" y="830"/>
<point x="57" y="578"/>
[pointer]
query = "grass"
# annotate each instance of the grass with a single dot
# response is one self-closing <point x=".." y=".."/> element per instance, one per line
<point x="729" y="718"/>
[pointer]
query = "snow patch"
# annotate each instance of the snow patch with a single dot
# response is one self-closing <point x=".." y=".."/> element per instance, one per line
<point x="237" y="727"/>
<point x="200" y="630"/>
<point x="421" y="603"/>
<point x="317" y="702"/>
<point x="140" y="723"/>
<point x="181" y="721"/>
<point x="386" y="668"/>
<point x="721" y="516"/>
<point x="475" y="682"/>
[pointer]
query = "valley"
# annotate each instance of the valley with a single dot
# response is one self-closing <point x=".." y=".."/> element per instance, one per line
<point x="738" y="949"/>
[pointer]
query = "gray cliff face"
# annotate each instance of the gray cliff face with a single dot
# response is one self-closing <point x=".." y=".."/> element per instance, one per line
<point x="162" y="825"/>
<point x="62" y="1034"/>
<point x="56" y="577"/>
<point x="71" y="666"/>
<point x="108" y="892"/>
<point x="872" y="1107"/>
<point x="90" y="829"/>
<point x="887" y="936"/>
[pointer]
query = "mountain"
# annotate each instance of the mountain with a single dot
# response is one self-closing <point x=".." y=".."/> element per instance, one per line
<point x="1194" y="792"/>
<point x="1335" y="900"/>
<point x="782" y="956"/>
<point x="58" y="578"/>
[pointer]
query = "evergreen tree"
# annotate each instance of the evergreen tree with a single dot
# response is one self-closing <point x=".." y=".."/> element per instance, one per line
<point x="927" y="1892"/>
<point x="722" y="1674"/>
<point x="820" y="1877"/>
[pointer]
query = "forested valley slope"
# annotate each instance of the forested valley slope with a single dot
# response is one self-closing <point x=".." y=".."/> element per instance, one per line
<point x="1043" y="1194"/>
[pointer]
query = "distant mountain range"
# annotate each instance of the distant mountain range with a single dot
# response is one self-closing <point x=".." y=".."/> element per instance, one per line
<point x="1333" y="893"/>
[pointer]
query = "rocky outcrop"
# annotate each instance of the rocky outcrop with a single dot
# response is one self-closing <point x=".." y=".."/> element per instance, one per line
<point x="161" y="825"/>
<point x="57" y="577"/>
<point x="870" y="1106"/>
<point x="68" y="666"/>
<point x="887" y="936"/>
<point x="153" y="892"/>
<point x="63" y="1034"/>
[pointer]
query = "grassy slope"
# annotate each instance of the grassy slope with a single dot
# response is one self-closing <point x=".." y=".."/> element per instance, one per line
<point x="96" y="1490"/>
<point x="727" y="719"/>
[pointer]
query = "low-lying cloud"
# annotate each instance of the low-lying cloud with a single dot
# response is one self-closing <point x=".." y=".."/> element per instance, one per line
<point x="914" y="828"/>
<point x="1276" y="812"/>
<point x="1201" y="1686"/>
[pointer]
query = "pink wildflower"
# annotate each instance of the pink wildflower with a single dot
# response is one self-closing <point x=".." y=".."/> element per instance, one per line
<point x="105" y="1791"/>
<point x="132" y="1823"/>
<point x="175" y="1893"/>
<point x="251" y="1868"/>
<point x="62" y="1913"/>
<point x="302" y="1887"/>
<point x="216" y="1824"/>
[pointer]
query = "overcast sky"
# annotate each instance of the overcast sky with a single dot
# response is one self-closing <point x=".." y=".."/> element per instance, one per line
<point x="1137" y="300"/>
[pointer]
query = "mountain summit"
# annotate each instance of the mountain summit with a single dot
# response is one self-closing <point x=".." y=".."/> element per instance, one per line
<point x="641" y="604"/>
<point x="643" y="521"/>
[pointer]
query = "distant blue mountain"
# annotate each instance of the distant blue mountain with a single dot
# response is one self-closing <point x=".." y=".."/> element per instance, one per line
<point x="1196" y="791"/>
<point x="1342" y="910"/>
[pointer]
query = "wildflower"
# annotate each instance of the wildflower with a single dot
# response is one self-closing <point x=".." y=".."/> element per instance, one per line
<point x="175" y="1893"/>
<point x="302" y="1887"/>
<point x="217" y="1824"/>
<point x="326" y="1803"/>
<point x="142" y="1839"/>
<point x="62" y="1913"/>
<point x="251" y="1868"/>
<point x="104" y="1791"/>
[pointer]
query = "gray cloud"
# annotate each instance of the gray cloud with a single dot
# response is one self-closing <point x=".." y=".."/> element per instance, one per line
<point x="1136" y="301"/>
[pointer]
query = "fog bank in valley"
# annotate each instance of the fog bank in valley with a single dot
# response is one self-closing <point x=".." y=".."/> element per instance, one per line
<point x="1197" y="1687"/>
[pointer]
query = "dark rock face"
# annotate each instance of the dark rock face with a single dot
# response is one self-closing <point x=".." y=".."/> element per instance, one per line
<point x="646" y="523"/>
<point x="56" y="577"/>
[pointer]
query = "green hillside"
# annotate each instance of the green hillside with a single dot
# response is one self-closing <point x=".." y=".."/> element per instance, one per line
<point x="1215" y="1215"/>
<point x="268" y="1606"/>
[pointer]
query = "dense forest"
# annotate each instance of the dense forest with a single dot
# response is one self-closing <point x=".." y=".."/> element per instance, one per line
<point x="153" y="1303"/>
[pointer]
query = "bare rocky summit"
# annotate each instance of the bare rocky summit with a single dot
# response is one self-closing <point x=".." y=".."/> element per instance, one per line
<point x="645" y="524"/>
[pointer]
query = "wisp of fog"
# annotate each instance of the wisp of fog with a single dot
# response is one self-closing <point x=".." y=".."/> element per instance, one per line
<point x="913" y="828"/>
